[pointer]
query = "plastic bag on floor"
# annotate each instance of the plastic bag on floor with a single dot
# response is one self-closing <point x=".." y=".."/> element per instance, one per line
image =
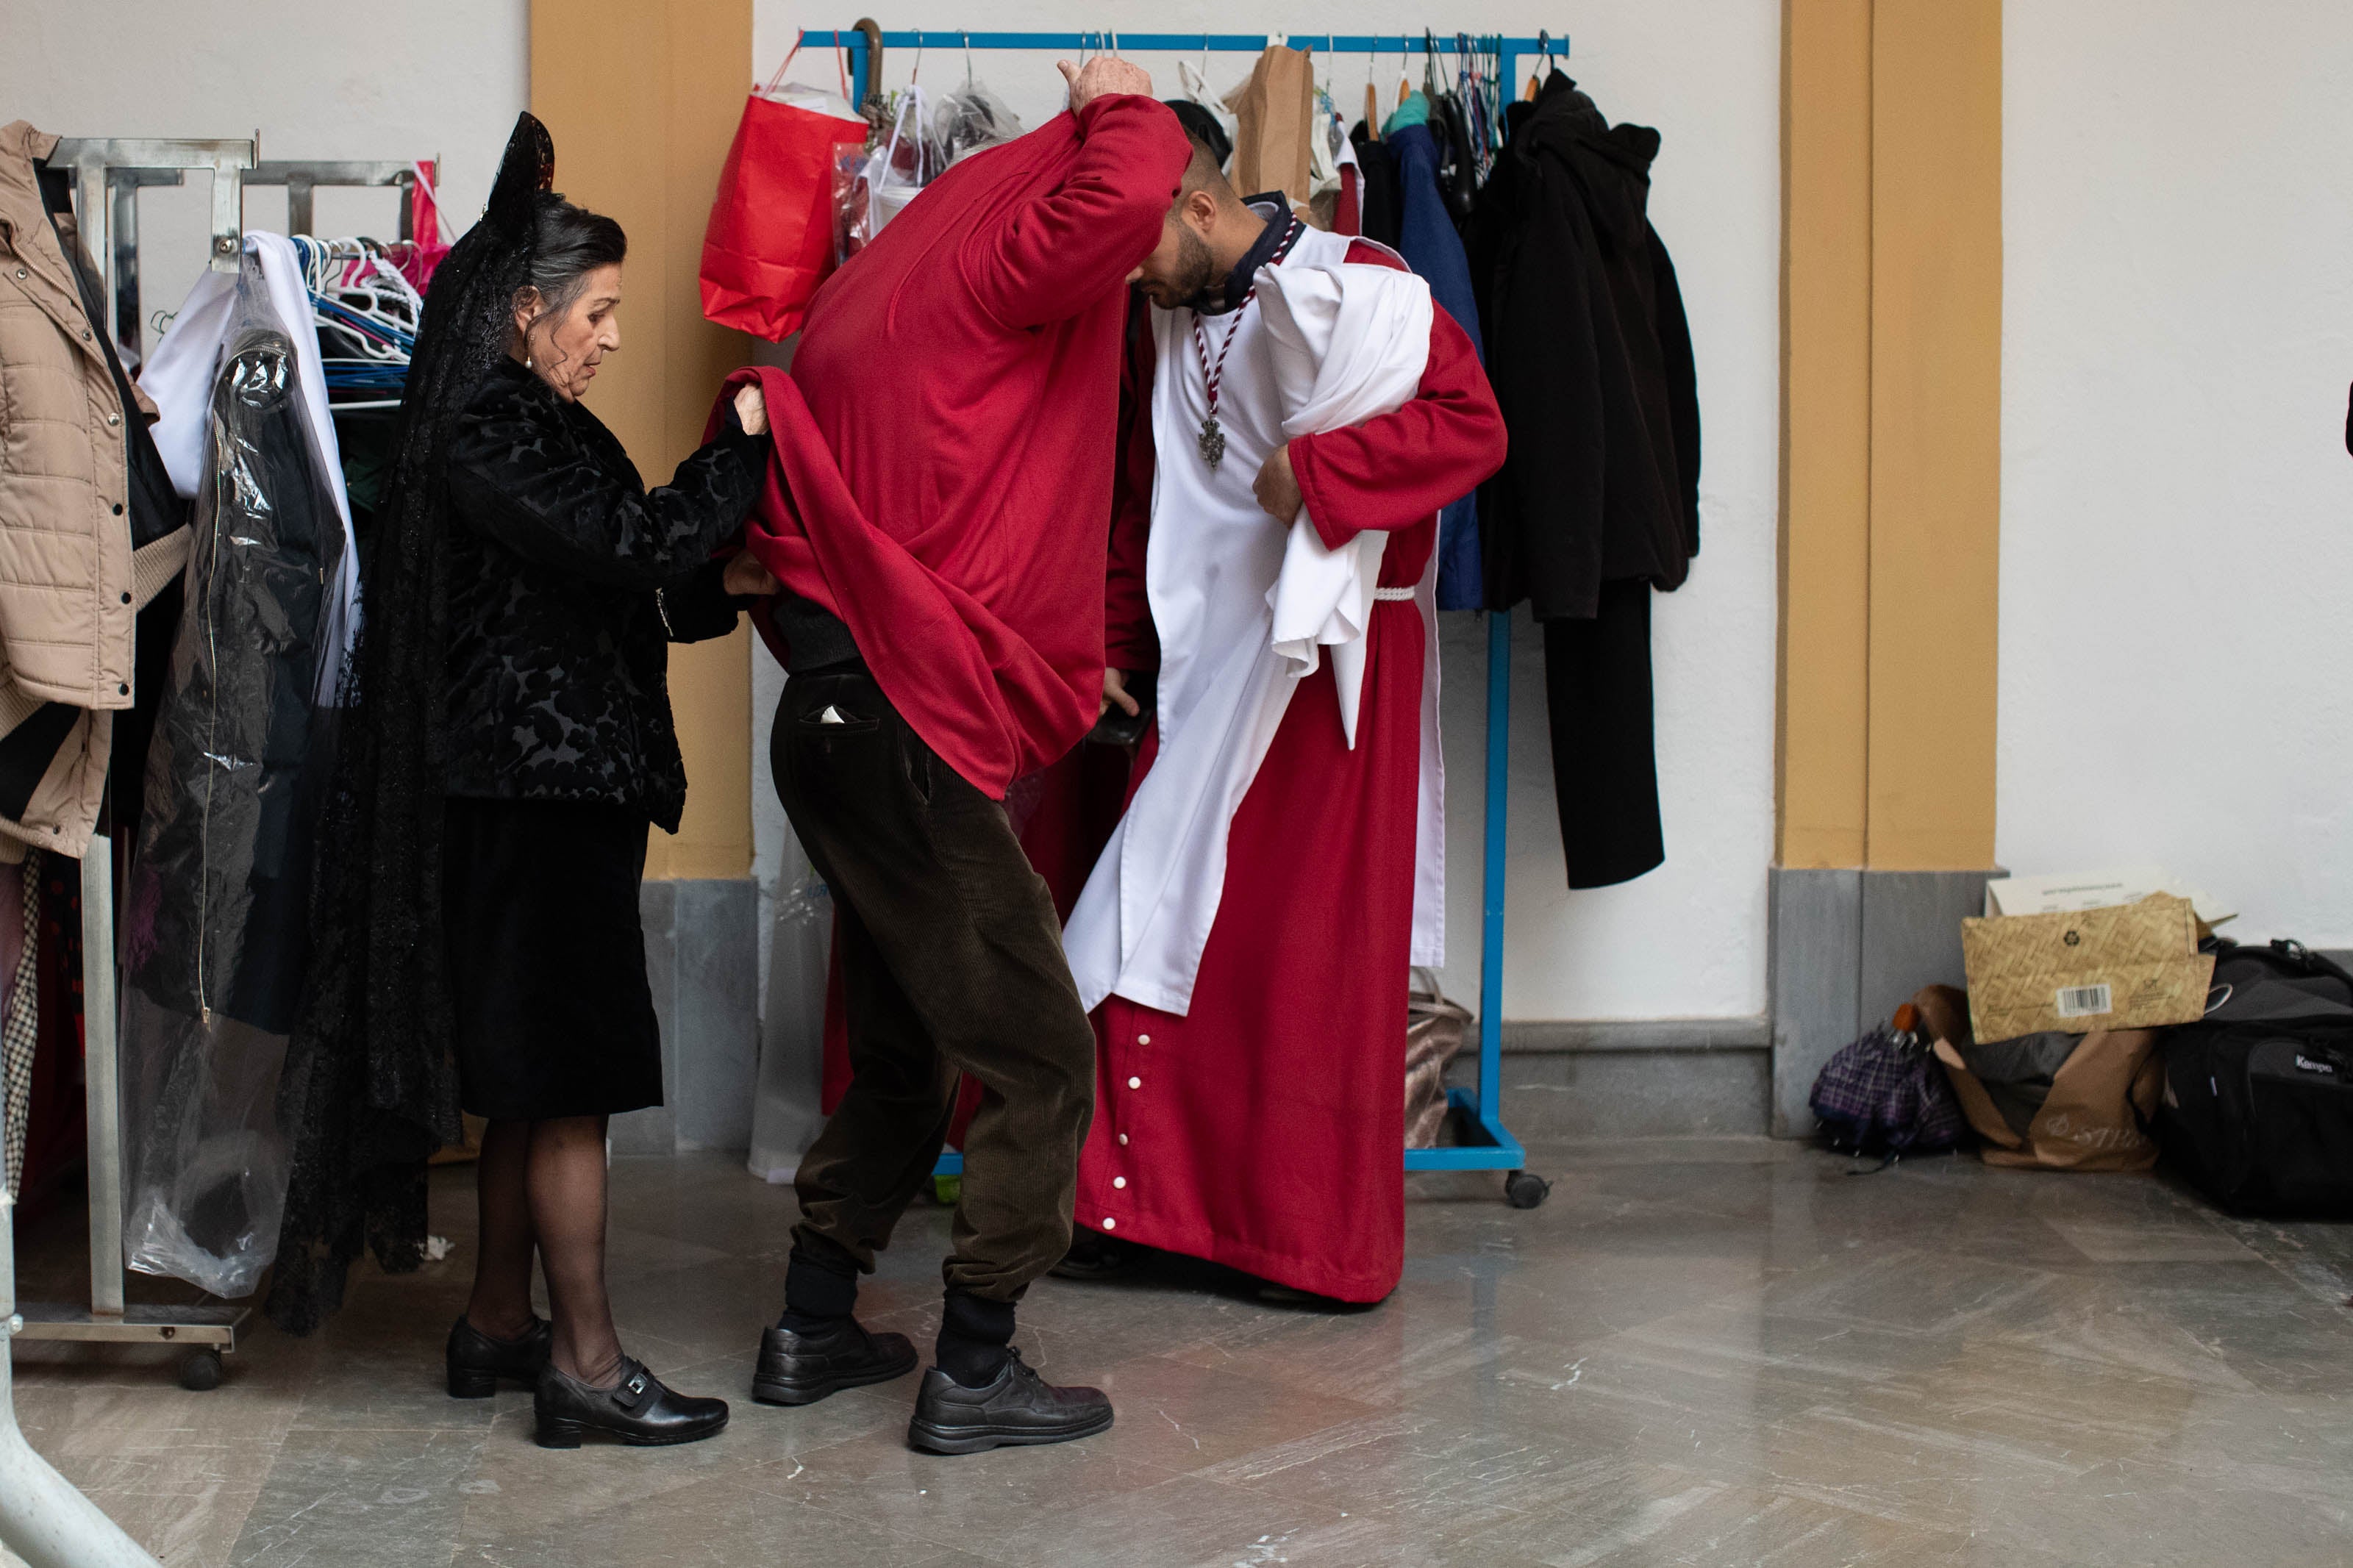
<point x="215" y="911"/>
<point x="1435" y="1032"/>
<point x="788" y="1110"/>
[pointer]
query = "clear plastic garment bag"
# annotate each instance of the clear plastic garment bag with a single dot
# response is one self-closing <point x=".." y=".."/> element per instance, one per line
<point x="214" y="918"/>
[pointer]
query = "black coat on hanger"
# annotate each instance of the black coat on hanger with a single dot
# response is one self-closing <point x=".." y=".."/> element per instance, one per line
<point x="1597" y="503"/>
<point x="1591" y="360"/>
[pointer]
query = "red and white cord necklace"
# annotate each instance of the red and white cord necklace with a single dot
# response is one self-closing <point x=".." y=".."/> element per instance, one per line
<point x="1212" y="440"/>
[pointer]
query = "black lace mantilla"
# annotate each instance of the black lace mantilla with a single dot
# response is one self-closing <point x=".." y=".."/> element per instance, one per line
<point x="369" y="1089"/>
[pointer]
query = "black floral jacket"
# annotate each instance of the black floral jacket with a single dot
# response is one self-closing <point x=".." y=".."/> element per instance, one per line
<point x="568" y="579"/>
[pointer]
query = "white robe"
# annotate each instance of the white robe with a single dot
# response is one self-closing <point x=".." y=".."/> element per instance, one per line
<point x="1242" y="607"/>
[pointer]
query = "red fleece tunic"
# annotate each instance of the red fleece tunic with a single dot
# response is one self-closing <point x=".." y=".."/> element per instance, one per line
<point x="944" y="439"/>
<point x="1265" y="1130"/>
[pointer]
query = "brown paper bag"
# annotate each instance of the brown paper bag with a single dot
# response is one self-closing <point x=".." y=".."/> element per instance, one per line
<point x="1276" y="108"/>
<point x="2093" y="1119"/>
<point x="1435" y="1031"/>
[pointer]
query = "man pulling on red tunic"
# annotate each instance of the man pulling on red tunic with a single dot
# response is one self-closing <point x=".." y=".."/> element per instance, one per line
<point x="1246" y="937"/>
<point x="950" y="413"/>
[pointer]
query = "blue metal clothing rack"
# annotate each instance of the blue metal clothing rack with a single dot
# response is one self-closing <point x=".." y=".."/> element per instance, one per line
<point x="1487" y="1144"/>
<point x="1507" y="51"/>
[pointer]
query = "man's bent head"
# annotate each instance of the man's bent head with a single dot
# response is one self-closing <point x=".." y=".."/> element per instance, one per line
<point x="1184" y="269"/>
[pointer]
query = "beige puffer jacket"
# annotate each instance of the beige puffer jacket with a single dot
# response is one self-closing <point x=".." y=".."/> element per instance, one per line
<point x="69" y="597"/>
<point x="66" y="623"/>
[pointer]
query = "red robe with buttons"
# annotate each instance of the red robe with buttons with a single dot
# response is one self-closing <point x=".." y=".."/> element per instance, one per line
<point x="1265" y="1130"/>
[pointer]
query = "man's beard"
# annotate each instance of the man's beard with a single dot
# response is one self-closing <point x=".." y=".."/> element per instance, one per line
<point x="1196" y="285"/>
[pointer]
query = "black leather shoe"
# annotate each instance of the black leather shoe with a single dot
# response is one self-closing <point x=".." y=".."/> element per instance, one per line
<point x="1019" y="1408"/>
<point x="640" y="1412"/>
<point x="801" y="1369"/>
<point x="1093" y="1258"/>
<point x="477" y="1361"/>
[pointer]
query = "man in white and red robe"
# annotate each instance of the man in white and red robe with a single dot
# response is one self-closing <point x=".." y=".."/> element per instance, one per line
<point x="1245" y="941"/>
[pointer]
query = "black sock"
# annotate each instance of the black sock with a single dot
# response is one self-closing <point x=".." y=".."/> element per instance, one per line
<point x="974" y="1334"/>
<point x="820" y="1290"/>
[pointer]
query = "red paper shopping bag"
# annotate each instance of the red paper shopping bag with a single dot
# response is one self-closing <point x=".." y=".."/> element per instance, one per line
<point x="770" y="240"/>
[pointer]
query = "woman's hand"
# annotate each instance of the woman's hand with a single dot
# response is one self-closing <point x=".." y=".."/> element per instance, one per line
<point x="1114" y="695"/>
<point x="751" y="410"/>
<point x="745" y="577"/>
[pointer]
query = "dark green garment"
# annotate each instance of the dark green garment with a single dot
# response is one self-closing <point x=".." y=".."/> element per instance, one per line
<point x="952" y="963"/>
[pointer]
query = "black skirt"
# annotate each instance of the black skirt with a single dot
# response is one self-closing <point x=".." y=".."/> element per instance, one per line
<point x="547" y="959"/>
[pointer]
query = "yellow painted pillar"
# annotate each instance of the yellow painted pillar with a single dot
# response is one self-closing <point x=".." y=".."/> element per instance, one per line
<point x="642" y="100"/>
<point x="1935" y="423"/>
<point x="1823" y="729"/>
<point x="1891" y="455"/>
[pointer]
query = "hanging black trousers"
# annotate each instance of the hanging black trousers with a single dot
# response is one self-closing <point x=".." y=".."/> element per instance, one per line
<point x="1604" y="769"/>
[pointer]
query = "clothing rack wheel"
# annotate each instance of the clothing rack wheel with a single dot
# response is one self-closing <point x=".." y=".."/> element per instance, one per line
<point x="201" y="1369"/>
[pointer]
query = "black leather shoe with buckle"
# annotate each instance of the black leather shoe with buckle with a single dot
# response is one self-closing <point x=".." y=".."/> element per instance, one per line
<point x="1019" y="1408"/>
<point x="638" y="1411"/>
<point x="801" y="1369"/>
<point x="477" y="1361"/>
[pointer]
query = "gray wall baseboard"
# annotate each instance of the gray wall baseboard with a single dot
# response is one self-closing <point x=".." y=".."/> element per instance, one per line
<point x="1848" y="948"/>
<point x="1636" y="1092"/>
<point x="702" y="959"/>
<point x="1546" y="1036"/>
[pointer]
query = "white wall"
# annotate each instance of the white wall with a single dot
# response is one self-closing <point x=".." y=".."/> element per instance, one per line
<point x="2177" y="558"/>
<point x="424" y="79"/>
<point x="1689" y="940"/>
<point x="446" y="78"/>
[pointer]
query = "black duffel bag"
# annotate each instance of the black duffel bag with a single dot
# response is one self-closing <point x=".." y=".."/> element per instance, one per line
<point x="2258" y="1102"/>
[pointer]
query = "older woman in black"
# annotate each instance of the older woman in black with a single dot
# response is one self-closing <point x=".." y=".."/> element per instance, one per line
<point x="567" y="578"/>
<point x="509" y="743"/>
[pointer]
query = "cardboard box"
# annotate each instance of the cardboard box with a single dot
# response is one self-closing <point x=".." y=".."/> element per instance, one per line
<point x="2067" y="891"/>
<point x="2130" y="966"/>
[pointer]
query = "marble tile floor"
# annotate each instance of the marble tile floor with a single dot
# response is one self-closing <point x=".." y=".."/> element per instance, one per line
<point x="1708" y="1351"/>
